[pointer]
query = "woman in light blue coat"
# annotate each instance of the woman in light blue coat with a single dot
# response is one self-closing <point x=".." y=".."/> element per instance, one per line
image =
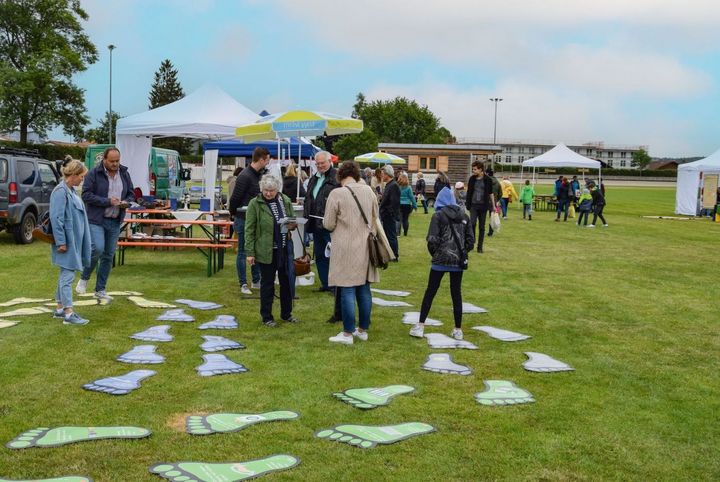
<point x="72" y="249"/>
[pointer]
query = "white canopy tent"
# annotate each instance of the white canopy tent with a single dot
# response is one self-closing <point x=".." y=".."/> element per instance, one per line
<point x="207" y="113"/>
<point x="562" y="156"/>
<point x="688" y="193"/>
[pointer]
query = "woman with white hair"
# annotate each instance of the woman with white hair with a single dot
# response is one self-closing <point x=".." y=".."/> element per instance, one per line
<point x="269" y="244"/>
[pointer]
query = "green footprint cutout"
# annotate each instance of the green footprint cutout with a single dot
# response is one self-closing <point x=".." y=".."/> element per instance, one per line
<point x="366" y="436"/>
<point x="54" y="437"/>
<point x="368" y="398"/>
<point x="232" y="472"/>
<point x="232" y="422"/>
<point x="503" y="392"/>
<point x="58" y="479"/>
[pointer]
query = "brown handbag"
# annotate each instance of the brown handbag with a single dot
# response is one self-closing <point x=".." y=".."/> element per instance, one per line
<point x="302" y="264"/>
<point x="43" y="231"/>
<point x="377" y="252"/>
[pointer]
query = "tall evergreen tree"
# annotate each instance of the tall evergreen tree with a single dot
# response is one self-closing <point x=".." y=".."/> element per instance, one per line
<point x="166" y="89"/>
<point x="42" y="45"/>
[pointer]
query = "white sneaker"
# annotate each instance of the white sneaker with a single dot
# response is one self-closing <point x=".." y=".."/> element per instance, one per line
<point x="255" y="286"/>
<point x="590" y="225"/>
<point x="360" y="335"/>
<point x="103" y="296"/>
<point x="457" y="334"/>
<point x="417" y="331"/>
<point x="605" y="225"/>
<point x="245" y="290"/>
<point x="341" y="338"/>
<point x="81" y="287"/>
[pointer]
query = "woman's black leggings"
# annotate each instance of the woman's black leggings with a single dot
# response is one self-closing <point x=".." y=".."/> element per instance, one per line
<point x="455" y="292"/>
<point x="597" y="212"/>
<point x="405" y="211"/>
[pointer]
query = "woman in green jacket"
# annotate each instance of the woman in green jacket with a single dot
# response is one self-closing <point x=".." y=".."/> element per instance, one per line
<point x="527" y="197"/>
<point x="268" y="243"/>
<point x="407" y="202"/>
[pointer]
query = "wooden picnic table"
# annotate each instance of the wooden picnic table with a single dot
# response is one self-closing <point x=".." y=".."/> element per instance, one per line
<point x="213" y="248"/>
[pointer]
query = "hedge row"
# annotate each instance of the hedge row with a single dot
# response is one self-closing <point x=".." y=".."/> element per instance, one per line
<point x="50" y="152"/>
<point x="500" y="168"/>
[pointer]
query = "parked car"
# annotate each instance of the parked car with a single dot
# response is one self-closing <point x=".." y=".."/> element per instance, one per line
<point x="26" y="182"/>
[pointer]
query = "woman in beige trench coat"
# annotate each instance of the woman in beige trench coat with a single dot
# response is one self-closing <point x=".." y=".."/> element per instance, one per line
<point x="350" y="269"/>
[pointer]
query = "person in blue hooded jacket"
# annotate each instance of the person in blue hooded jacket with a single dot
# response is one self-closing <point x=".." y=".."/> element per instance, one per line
<point x="73" y="248"/>
<point x="449" y="239"/>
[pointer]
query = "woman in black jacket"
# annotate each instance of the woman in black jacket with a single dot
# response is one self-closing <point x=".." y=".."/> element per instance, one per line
<point x="290" y="184"/>
<point x="449" y="239"/>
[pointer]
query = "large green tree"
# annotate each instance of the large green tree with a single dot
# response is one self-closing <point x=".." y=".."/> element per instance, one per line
<point x="166" y="89"/>
<point x="42" y="44"/>
<point x="641" y="159"/>
<point x="398" y="120"/>
<point x="101" y="133"/>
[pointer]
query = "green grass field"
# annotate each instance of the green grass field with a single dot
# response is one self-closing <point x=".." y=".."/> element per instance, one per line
<point x="633" y="308"/>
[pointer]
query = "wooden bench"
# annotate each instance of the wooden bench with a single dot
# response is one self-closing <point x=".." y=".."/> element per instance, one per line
<point x="214" y="252"/>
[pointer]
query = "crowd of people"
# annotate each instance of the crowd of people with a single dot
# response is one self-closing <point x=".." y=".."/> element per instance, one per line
<point x="342" y="206"/>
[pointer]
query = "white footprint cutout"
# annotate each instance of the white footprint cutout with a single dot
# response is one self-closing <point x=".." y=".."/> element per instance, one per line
<point x="502" y="335"/>
<point x="438" y="340"/>
<point x="155" y="333"/>
<point x="219" y="343"/>
<point x="539" y="362"/>
<point x="219" y="365"/>
<point x="177" y="314"/>
<point x="469" y="308"/>
<point x="413" y="317"/>
<point x="442" y="363"/>
<point x="142" y="354"/>
<point x="221" y="322"/>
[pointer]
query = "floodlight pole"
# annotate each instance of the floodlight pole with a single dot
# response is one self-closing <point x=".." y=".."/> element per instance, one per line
<point x="495" y="100"/>
<point x="111" y="47"/>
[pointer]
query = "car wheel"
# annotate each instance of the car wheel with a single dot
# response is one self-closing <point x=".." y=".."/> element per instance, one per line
<point x="23" y="231"/>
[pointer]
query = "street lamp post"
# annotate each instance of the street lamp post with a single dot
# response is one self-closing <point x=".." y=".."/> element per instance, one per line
<point x="111" y="47"/>
<point x="495" y="100"/>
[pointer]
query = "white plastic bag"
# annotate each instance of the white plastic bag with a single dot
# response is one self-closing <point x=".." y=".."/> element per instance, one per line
<point x="495" y="221"/>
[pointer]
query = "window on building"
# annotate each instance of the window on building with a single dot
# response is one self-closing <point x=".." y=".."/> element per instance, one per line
<point x="433" y="163"/>
<point x="508" y="159"/>
<point x="610" y="154"/>
<point x="622" y="155"/>
<point x="610" y="164"/>
<point x="521" y="158"/>
<point x="622" y="163"/>
<point x="423" y="163"/>
<point x="588" y="152"/>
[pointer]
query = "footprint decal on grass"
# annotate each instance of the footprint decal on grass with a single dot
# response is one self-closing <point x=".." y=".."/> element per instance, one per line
<point x="219" y="343"/>
<point x="503" y="392"/>
<point x="369" y="398"/>
<point x="145" y="303"/>
<point x="177" y="314"/>
<point x="232" y="422"/>
<point x="442" y="363"/>
<point x="70" y="478"/>
<point x="469" y="308"/>
<point x="7" y="323"/>
<point x="502" y="335"/>
<point x="540" y="362"/>
<point x="413" y="317"/>
<point x="221" y="322"/>
<point x="20" y="301"/>
<point x="199" y="305"/>
<point x="367" y="436"/>
<point x="142" y="354"/>
<point x="438" y="340"/>
<point x="55" y="437"/>
<point x="155" y="333"/>
<point x="121" y="385"/>
<point x="219" y="365"/>
<point x="232" y="472"/>
<point x="37" y="310"/>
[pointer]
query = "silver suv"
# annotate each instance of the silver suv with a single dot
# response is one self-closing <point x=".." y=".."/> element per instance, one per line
<point x="26" y="182"/>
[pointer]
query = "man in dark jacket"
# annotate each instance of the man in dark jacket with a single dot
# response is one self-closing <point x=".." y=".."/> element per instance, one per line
<point x="563" y="198"/>
<point x="420" y="191"/>
<point x="390" y="208"/>
<point x="107" y="192"/>
<point x="479" y="200"/>
<point x="247" y="187"/>
<point x="318" y="190"/>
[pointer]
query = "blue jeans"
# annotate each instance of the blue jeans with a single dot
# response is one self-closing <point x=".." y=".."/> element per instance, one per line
<point x="563" y="205"/>
<point x="504" y="205"/>
<point x="104" y="239"/>
<point x="321" y="238"/>
<point x="63" y="294"/>
<point x="239" y="227"/>
<point x="348" y="296"/>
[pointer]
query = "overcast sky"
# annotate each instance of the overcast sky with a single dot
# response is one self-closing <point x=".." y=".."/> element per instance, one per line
<point x="644" y="72"/>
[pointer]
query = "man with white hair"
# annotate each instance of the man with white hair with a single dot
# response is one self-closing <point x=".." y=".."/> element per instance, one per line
<point x="318" y="190"/>
<point x="390" y="207"/>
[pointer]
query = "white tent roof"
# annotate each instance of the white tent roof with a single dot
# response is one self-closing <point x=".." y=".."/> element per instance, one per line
<point x="207" y="113"/>
<point x="561" y="156"/>
<point x="710" y="163"/>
